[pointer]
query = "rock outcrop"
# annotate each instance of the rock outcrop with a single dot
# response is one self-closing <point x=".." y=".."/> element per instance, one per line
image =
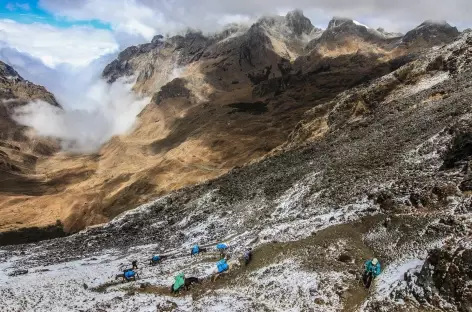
<point x="431" y="33"/>
<point x="448" y="273"/>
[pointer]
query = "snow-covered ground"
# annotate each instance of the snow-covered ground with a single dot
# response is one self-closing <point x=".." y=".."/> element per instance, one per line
<point x="393" y="274"/>
<point x="72" y="286"/>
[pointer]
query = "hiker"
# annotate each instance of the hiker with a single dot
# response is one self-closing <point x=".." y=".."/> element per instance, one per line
<point x="371" y="271"/>
<point x="247" y="256"/>
<point x="221" y="247"/>
<point x="179" y="282"/>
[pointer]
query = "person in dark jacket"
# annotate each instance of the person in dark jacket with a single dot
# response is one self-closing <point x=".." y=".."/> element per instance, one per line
<point x="247" y="256"/>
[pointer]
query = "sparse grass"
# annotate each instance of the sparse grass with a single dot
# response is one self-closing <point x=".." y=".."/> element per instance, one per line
<point x="403" y="73"/>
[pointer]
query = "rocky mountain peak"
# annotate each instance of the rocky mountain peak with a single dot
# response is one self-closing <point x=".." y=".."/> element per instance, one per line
<point x="6" y="71"/>
<point x="299" y="23"/>
<point x="342" y="25"/>
<point x="339" y="29"/>
<point x="13" y="86"/>
<point x="387" y="34"/>
<point x="434" y="32"/>
<point x="340" y="21"/>
<point x="157" y="39"/>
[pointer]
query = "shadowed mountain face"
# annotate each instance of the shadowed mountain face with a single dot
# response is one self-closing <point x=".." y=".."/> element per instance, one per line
<point x="218" y="102"/>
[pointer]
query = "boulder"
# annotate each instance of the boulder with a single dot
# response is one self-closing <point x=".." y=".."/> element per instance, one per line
<point x="445" y="276"/>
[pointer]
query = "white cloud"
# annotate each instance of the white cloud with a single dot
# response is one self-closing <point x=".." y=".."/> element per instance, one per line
<point x="112" y="111"/>
<point x="94" y="110"/>
<point x="140" y="16"/>
<point x="77" y="45"/>
<point x="127" y="16"/>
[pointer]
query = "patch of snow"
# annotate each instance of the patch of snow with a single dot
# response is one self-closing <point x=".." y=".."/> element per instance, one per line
<point x="429" y="151"/>
<point x="393" y="274"/>
<point x="423" y="84"/>
<point x="360" y="24"/>
<point x="224" y="301"/>
<point x="289" y="229"/>
<point x="286" y="286"/>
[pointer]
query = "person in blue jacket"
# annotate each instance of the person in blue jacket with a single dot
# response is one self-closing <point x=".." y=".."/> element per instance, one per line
<point x="372" y="269"/>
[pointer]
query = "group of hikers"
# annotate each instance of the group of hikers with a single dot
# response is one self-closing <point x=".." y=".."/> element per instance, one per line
<point x="181" y="281"/>
<point x="371" y="269"/>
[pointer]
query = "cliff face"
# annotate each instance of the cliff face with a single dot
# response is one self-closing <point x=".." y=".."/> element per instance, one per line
<point x="16" y="92"/>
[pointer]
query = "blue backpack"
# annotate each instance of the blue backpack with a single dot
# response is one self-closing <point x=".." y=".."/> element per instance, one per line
<point x="222" y="265"/>
<point x="221" y="246"/>
<point x="195" y="250"/>
<point x="129" y="274"/>
<point x="156" y="258"/>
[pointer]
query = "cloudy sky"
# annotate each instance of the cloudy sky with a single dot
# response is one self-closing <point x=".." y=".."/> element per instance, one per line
<point x="78" y="31"/>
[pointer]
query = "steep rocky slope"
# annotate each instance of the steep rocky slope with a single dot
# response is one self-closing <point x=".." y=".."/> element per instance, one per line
<point x="218" y="102"/>
<point x="20" y="148"/>
<point x="381" y="169"/>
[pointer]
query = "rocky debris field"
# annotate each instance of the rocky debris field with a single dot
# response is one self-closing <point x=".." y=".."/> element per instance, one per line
<point x="389" y="177"/>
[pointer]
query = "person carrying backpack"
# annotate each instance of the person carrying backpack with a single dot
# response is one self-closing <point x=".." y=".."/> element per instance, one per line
<point x="372" y="269"/>
<point x="247" y="256"/>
